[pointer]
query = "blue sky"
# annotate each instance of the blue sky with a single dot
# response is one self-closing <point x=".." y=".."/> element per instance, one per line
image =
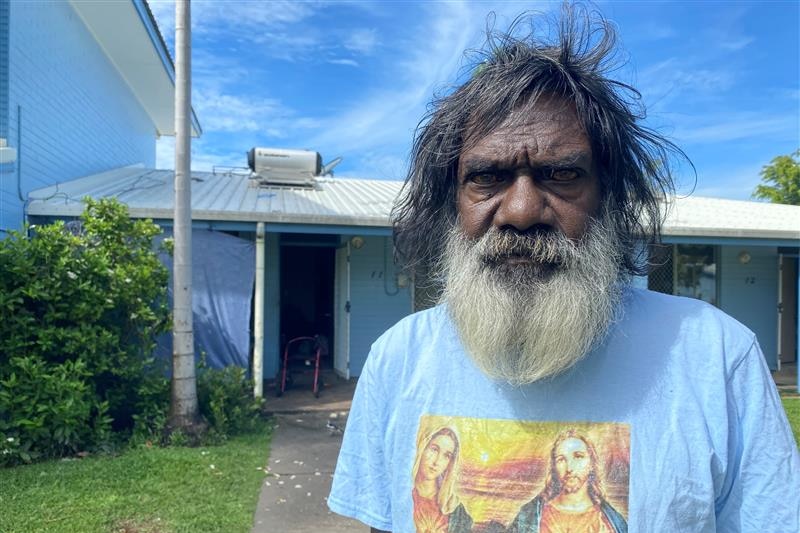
<point x="353" y="78"/>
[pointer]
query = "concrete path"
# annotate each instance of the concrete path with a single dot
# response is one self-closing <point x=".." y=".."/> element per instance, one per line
<point x="302" y="459"/>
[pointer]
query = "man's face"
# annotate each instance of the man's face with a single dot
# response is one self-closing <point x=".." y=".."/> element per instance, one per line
<point x="531" y="271"/>
<point x="573" y="464"/>
<point x="535" y="172"/>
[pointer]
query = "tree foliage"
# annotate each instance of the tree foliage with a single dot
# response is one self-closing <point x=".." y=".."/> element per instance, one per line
<point x="781" y="180"/>
<point x="81" y="311"/>
<point x="81" y="307"/>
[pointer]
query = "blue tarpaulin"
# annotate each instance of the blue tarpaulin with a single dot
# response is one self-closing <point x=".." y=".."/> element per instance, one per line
<point x="223" y="273"/>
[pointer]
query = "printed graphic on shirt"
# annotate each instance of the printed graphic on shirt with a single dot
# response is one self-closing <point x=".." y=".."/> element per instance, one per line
<point x="473" y="474"/>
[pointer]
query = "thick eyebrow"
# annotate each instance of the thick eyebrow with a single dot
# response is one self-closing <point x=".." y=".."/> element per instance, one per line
<point x="477" y="164"/>
<point x="579" y="158"/>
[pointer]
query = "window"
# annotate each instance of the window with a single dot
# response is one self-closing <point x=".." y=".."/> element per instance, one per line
<point x="685" y="270"/>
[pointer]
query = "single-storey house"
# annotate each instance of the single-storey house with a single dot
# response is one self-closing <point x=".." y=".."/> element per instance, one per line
<point x="328" y="265"/>
<point x="85" y="87"/>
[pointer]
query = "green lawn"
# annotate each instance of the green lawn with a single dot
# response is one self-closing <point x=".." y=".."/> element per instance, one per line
<point x="147" y="490"/>
<point x="792" y="406"/>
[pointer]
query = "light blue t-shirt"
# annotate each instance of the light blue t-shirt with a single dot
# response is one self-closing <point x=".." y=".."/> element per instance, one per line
<point x="672" y="424"/>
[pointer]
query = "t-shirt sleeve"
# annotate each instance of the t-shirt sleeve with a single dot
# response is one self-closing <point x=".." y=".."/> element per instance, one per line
<point x="361" y="482"/>
<point x="762" y="489"/>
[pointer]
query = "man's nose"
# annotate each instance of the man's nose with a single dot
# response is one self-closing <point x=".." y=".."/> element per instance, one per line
<point x="523" y="205"/>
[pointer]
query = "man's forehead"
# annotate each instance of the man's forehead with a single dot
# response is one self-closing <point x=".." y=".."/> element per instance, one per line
<point x="525" y="119"/>
<point x="550" y="109"/>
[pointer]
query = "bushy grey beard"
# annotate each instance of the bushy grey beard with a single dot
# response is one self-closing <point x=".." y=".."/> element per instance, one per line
<point x="536" y="316"/>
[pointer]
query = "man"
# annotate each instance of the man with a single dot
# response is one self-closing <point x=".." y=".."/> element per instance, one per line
<point x="572" y="498"/>
<point x="531" y="189"/>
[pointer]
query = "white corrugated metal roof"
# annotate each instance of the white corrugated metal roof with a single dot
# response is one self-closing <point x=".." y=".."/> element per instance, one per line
<point x="226" y="197"/>
<point x="351" y="202"/>
<point x="717" y="217"/>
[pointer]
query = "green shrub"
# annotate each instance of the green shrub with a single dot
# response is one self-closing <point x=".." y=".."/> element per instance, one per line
<point x="81" y="311"/>
<point x="47" y="409"/>
<point x="151" y="410"/>
<point x="226" y="400"/>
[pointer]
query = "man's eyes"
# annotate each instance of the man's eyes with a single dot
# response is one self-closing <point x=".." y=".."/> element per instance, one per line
<point x="484" y="179"/>
<point x="557" y="175"/>
<point x="563" y="174"/>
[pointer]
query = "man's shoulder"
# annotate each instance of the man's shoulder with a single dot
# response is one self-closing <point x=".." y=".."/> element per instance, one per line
<point x="659" y="308"/>
<point x="422" y="326"/>
<point x="685" y="327"/>
<point x="405" y="344"/>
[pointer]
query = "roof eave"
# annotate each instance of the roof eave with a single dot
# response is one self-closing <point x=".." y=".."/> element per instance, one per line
<point x="128" y="34"/>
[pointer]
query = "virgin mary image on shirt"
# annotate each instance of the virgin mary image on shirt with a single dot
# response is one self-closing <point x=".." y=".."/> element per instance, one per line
<point x="437" y="507"/>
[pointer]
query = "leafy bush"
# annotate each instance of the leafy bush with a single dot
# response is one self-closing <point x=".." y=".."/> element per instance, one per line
<point x="47" y="409"/>
<point x="150" y="416"/>
<point x="81" y="311"/>
<point x="226" y="400"/>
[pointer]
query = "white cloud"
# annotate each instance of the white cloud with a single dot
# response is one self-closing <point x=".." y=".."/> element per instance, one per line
<point x="368" y="132"/>
<point x="206" y="161"/>
<point x="726" y="182"/>
<point x="651" y="30"/>
<point x="362" y="41"/>
<point x="735" y="43"/>
<point x="347" y="62"/>
<point x="375" y="165"/>
<point x="226" y="113"/>
<point x="670" y="78"/>
<point x="249" y="21"/>
<point x="390" y="114"/>
<point x="203" y="159"/>
<point x="165" y="152"/>
<point x="249" y="16"/>
<point x="736" y="126"/>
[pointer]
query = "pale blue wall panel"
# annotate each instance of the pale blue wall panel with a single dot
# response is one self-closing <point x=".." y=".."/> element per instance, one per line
<point x="7" y="176"/>
<point x="5" y="9"/>
<point x="749" y="293"/>
<point x="78" y="116"/>
<point x="372" y="310"/>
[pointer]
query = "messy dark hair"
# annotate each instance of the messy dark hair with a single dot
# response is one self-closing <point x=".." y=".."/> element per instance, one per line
<point x="572" y="61"/>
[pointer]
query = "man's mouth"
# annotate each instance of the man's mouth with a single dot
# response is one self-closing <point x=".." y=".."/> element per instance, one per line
<point x="516" y="259"/>
<point x="522" y="260"/>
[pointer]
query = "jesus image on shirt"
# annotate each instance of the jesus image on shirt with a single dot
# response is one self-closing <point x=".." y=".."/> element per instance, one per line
<point x="572" y="500"/>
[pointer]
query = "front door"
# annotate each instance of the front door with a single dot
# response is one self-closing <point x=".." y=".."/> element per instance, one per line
<point x="787" y="308"/>
<point x="341" y="350"/>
